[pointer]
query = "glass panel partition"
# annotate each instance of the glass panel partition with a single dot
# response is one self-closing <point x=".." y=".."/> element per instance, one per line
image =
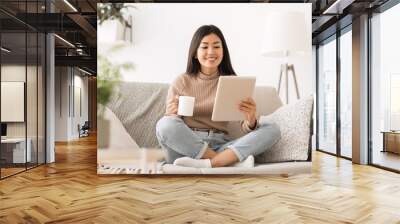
<point x="327" y="97"/>
<point x="22" y="77"/>
<point x="13" y="108"/>
<point x="385" y="89"/>
<point x="346" y="94"/>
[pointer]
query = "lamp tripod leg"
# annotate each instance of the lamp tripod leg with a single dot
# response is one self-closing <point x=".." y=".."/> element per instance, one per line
<point x="287" y="83"/>
<point x="280" y="79"/>
<point x="295" y="81"/>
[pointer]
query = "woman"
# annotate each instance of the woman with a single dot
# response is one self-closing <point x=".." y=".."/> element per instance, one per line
<point x="197" y="141"/>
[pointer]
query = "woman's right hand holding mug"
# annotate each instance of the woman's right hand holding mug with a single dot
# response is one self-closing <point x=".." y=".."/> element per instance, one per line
<point x="173" y="106"/>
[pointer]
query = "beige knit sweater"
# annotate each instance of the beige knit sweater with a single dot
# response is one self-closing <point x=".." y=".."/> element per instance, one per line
<point x="203" y="88"/>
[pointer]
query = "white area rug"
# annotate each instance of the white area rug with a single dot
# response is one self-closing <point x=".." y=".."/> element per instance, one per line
<point x="153" y="168"/>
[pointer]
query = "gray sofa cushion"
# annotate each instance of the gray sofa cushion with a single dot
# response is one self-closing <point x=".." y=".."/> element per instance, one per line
<point x="294" y="121"/>
<point x="139" y="106"/>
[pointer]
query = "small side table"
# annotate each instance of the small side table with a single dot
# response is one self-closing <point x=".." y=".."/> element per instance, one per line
<point x="391" y="141"/>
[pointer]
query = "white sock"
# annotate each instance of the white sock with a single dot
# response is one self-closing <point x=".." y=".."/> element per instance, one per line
<point x="189" y="162"/>
<point x="248" y="162"/>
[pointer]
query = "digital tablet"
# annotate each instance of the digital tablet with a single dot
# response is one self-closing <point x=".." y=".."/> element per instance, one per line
<point x="230" y="91"/>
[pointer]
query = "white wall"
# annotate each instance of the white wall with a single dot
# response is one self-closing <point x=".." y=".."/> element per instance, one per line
<point x="162" y="35"/>
<point x="79" y="117"/>
<point x="82" y="82"/>
<point x="33" y="126"/>
<point x="66" y="119"/>
<point x="61" y="103"/>
<point x="12" y="73"/>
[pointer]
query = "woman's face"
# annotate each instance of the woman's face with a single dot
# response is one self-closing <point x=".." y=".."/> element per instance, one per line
<point x="210" y="53"/>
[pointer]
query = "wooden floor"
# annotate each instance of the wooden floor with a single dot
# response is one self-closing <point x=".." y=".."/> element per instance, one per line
<point x="70" y="191"/>
<point x="5" y="172"/>
<point x="387" y="159"/>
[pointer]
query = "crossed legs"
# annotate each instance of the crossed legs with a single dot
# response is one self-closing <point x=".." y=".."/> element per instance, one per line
<point x="180" y="141"/>
<point x="218" y="159"/>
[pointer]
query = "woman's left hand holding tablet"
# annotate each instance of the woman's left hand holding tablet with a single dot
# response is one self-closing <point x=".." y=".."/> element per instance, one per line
<point x="249" y="108"/>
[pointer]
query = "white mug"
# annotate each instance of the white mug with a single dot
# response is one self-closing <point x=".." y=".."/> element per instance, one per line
<point x="186" y="105"/>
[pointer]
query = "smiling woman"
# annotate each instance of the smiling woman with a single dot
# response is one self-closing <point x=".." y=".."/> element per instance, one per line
<point x="209" y="52"/>
<point x="177" y="60"/>
<point x="186" y="139"/>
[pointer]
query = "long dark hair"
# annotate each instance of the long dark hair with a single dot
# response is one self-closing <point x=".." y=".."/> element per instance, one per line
<point x="193" y="64"/>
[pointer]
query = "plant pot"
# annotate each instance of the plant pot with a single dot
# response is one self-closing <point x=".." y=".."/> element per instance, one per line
<point x="103" y="133"/>
<point x="114" y="31"/>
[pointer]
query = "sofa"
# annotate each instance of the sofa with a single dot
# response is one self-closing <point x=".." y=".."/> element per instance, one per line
<point x="136" y="108"/>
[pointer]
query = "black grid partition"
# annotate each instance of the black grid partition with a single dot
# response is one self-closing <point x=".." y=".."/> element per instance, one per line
<point x="23" y="88"/>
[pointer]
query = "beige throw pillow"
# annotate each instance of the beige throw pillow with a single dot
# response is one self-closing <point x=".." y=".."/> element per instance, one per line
<point x="294" y="121"/>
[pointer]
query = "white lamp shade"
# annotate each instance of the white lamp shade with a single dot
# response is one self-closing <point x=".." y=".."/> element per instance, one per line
<point x="285" y="35"/>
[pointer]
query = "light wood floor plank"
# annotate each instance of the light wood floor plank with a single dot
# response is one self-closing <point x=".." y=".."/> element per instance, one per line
<point x="70" y="191"/>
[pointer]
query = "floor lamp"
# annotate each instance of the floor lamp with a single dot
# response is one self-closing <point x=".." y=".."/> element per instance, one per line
<point x="285" y="36"/>
<point x="285" y="68"/>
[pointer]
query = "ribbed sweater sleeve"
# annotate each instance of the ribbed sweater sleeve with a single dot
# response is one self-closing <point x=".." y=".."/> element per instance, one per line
<point x="174" y="90"/>
<point x="203" y="89"/>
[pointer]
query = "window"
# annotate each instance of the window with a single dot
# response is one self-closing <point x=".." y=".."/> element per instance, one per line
<point x="395" y="102"/>
<point x="346" y="93"/>
<point x="385" y="87"/>
<point x="335" y="74"/>
<point x="327" y="97"/>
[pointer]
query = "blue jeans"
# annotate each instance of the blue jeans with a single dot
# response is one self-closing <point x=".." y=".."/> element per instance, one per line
<point x="179" y="140"/>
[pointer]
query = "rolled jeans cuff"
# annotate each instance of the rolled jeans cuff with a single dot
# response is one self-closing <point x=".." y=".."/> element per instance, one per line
<point x="202" y="151"/>
<point x="237" y="153"/>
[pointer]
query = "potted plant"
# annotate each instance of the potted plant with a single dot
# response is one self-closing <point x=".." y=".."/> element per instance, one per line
<point x="113" y="11"/>
<point x="109" y="72"/>
<point x="108" y="79"/>
<point x="108" y="12"/>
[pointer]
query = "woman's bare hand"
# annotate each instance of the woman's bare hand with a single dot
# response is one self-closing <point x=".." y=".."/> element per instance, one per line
<point x="249" y="108"/>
